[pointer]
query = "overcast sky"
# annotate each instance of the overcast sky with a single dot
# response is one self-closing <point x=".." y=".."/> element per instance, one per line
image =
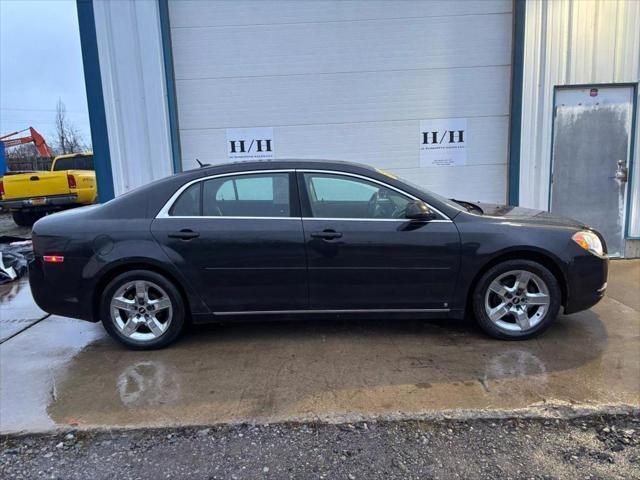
<point x="40" y="61"/>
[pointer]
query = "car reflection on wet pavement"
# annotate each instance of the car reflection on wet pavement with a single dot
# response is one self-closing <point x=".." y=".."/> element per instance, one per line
<point x="61" y="372"/>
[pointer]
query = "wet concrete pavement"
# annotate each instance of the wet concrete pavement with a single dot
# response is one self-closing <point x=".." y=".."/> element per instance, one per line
<point x="62" y="372"/>
<point x="17" y="309"/>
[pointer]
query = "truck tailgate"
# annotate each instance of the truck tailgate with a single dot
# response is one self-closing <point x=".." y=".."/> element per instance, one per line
<point x="35" y="184"/>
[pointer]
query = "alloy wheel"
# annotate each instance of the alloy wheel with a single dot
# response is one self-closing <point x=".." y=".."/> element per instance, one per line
<point x="141" y="310"/>
<point x="517" y="301"/>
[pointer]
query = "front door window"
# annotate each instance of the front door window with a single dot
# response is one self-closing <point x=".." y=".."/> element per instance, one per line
<point x="338" y="196"/>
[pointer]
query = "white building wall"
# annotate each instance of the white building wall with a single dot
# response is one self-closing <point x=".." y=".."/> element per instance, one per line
<point x="134" y="89"/>
<point x="348" y="80"/>
<point x="570" y="42"/>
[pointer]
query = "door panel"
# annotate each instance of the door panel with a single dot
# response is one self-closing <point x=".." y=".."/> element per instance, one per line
<point x="381" y="264"/>
<point x="240" y="264"/>
<point x="246" y="253"/>
<point x="592" y="131"/>
<point x="377" y="261"/>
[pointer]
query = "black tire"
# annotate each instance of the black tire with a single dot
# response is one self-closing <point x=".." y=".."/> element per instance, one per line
<point x="480" y="292"/>
<point x="176" y="325"/>
<point x="26" y="219"/>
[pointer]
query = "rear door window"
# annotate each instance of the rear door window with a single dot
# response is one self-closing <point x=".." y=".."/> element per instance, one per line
<point x="253" y="195"/>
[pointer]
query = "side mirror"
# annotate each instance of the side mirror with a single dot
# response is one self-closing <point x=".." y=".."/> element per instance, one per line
<point x="420" y="211"/>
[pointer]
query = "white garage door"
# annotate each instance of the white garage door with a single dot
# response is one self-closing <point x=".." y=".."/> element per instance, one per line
<point x="349" y="80"/>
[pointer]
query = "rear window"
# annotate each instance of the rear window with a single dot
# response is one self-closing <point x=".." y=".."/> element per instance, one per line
<point x="81" y="162"/>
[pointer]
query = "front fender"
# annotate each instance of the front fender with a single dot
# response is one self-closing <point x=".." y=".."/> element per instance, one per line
<point x="482" y="247"/>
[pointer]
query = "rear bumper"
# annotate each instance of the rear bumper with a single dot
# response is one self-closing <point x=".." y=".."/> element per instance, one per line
<point x="586" y="282"/>
<point x="34" y="203"/>
<point x="59" y="290"/>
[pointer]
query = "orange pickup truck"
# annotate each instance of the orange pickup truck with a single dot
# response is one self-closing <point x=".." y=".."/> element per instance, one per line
<point x="32" y="195"/>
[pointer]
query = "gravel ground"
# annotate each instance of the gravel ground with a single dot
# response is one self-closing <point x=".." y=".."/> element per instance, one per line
<point x="594" y="447"/>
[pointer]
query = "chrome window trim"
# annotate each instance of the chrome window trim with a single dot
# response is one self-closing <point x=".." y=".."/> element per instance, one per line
<point x="230" y="217"/>
<point x="401" y="220"/>
<point x="164" y="211"/>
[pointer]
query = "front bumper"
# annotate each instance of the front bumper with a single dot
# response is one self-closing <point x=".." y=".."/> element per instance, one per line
<point x="39" y="202"/>
<point x="586" y="282"/>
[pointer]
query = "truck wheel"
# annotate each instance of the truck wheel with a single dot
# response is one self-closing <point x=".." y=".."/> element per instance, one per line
<point x="26" y="219"/>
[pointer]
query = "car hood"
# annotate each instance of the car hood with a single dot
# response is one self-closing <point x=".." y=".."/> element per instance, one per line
<point x="528" y="215"/>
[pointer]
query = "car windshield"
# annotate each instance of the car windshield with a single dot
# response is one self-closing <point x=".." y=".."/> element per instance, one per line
<point x="450" y="203"/>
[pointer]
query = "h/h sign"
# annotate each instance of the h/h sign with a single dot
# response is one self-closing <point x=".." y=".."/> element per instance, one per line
<point x="443" y="142"/>
<point x="250" y="143"/>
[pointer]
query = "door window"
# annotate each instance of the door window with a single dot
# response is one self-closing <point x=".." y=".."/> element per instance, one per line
<point x="255" y="195"/>
<point x="337" y="196"/>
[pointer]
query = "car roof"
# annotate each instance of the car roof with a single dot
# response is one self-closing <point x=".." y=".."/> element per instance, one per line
<point x="244" y="165"/>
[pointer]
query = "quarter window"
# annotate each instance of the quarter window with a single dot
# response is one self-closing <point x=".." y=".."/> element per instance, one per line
<point x="337" y="196"/>
<point x="188" y="203"/>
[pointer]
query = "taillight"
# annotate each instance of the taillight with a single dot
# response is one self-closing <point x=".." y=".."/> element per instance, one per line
<point x="53" y="258"/>
<point x="72" y="181"/>
<point x="1" y="188"/>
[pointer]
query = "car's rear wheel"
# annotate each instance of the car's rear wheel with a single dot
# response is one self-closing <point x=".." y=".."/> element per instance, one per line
<point x="143" y="310"/>
<point x="516" y="300"/>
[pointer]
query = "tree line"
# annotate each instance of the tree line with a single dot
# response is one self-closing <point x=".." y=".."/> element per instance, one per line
<point x="66" y="139"/>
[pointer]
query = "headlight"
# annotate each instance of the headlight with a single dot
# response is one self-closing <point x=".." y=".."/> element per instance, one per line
<point x="589" y="241"/>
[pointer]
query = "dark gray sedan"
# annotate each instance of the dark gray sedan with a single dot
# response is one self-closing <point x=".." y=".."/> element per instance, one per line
<point x="289" y="239"/>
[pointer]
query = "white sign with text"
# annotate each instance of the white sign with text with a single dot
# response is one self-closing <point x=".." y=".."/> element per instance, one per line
<point x="255" y="143"/>
<point x="443" y="142"/>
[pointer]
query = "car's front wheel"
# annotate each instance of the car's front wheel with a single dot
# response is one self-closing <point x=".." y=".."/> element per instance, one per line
<point x="516" y="300"/>
<point x="143" y="310"/>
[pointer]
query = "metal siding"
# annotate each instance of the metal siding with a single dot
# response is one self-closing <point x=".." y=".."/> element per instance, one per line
<point x="169" y="71"/>
<point x="573" y="43"/>
<point x="196" y="13"/>
<point x="350" y="81"/>
<point x="95" y="99"/>
<point x="135" y="97"/>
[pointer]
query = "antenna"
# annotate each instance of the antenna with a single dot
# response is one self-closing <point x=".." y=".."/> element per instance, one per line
<point x="202" y="165"/>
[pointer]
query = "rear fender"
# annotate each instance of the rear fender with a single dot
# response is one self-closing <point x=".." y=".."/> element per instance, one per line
<point x="135" y="255"/>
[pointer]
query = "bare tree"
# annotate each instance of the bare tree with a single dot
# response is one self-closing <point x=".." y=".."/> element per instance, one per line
<point x="68" y="138"/>
<point x="28" y="150"/>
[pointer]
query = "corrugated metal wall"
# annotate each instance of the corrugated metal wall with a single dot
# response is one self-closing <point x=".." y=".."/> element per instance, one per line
<point x="349" y="80"/>
<point x="135" y="97"/>
<point x="571" y="42"/>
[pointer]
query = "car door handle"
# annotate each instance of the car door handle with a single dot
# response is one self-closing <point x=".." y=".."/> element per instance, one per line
<point x="184" y="234"/>
<point x="326" y="234"/>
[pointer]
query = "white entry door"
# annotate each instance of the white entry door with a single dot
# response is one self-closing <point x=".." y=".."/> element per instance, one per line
<point x="591" y="155"/>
